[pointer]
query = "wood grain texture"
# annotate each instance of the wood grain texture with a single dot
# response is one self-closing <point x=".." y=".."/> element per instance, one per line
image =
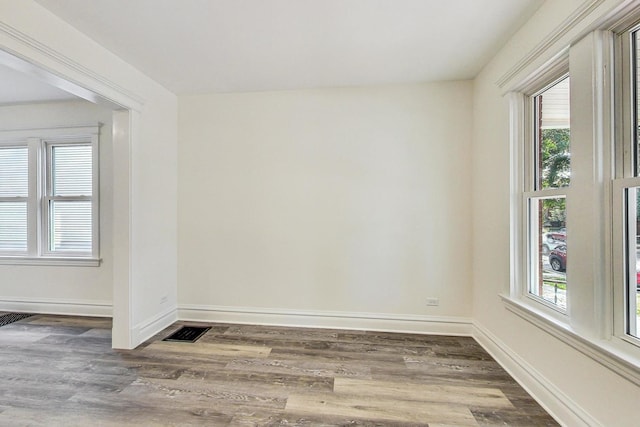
<point x="430" y="393"/>
<point x="383" y="409"/>
<point x="61" y="371"/>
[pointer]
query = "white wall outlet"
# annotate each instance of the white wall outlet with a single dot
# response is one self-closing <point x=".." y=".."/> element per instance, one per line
<point x="433" y="302"/>
<point x="164" y="299"/>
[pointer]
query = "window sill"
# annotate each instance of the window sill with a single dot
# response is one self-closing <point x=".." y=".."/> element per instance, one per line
<point x="622" y="359"/>
<point x="51" y="261"/>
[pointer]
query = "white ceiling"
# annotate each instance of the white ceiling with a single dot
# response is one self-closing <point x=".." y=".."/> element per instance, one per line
<point x="17" y="87"/>
<point x="197" y="46"/>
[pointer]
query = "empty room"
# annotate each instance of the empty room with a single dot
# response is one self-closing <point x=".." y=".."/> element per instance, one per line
<point x="320" y="212"/>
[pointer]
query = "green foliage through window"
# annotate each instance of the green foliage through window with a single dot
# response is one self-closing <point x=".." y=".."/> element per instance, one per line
<point x="555" y="158"/>
<point x="556" y="172"/>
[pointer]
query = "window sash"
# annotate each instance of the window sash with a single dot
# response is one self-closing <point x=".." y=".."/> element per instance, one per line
<point x="13" y="230"/>
<point x="624" y="260"/>
<point x="14" y="171"/>
<point x="531" y="189"/>
<point x="59" y="231"/>
<point x="545" y="294"/>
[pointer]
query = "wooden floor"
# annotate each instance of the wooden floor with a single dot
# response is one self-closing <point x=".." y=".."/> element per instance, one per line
<point x="58" y="370"/>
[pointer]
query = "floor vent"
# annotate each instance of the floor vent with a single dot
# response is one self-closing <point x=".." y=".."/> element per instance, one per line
<point x="8" y="318"/>
<point x="187" y="334"/>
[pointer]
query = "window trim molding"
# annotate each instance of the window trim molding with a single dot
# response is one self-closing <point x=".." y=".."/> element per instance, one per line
<point x="37" y="140"/>
<point x="8" y="135"/>
<point x="51" y="261"/>
<point x="603" y="343"/>
<point x="607" y="353"/>
<point x="560" y="33"/>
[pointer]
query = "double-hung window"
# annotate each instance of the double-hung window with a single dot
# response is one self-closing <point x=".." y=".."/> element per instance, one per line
<point x="627" y="187"/>
<point x="49" y="196"/>
<point x="575" y="202"/>
<point x="548" y="166"/>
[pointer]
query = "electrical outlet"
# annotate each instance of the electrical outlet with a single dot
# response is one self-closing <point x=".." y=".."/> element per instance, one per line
<point x="433" y="302"/>
<point x="164" y="299"/>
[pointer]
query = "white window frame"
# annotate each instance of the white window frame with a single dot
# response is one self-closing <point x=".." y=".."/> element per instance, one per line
<point x="595" y="214"/>
<point x="39" y="143"/>
<point x="624" y="181"/>
<point x="523" y="134"/>
<point x="558" y="72"/>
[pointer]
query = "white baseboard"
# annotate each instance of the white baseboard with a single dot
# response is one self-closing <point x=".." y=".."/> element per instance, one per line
<point x="552" y="399"/>
<point x="149" y="327"/>
<point x="57" y="306"/>
<point x="327" y="319"/>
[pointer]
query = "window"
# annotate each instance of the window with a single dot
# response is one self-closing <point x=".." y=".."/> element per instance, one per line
<point x="628" y="184"/>
<point x="575" y="193"/>
<point x="48" y="195"/>
<point x="68" y="197"/>
<point x="549" y="163"/>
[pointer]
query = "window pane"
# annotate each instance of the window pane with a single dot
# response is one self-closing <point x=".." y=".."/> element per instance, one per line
<point x="14" y="172"/>
<point x="633" y="248"/>
<point x="70" y="226"/>
<point x="71" y="170"/>
<point x="553" y="168"/>
<point x="548" y="248"/>
<point x="636" y="74"/>
<point x="13" y="226"/>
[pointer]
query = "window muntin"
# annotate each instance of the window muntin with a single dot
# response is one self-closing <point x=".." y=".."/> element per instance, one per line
<point x="549" y="161"/>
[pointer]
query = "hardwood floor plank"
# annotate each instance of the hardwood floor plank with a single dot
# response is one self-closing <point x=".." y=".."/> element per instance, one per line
<point x="330" y="355"/>
<point x="455" y="395"/>
<point x="456" y="367"/>
<point x="211" y="349"/>
<point x="301" y="367"/>
<point x="289" y="334"/>
<point x="311" y="420"/>
<point x="186" y="393"/>
<point x="37" y="329"/>
<point x="85" y="322"/>
<point x="16" y="337"/>
<point x="253" y="379"/>
<point x="380" y="408"/>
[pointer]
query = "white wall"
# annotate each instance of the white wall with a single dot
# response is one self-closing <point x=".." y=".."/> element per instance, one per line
<point x="77" y="290"/>
<point x="325" y="201"/>
<point x="571" y="385"/>
<point x="145" y="165"/>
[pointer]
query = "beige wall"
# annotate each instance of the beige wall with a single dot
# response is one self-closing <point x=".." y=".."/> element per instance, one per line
<point x="88" y="288"/>
<point x="334" y="200"/>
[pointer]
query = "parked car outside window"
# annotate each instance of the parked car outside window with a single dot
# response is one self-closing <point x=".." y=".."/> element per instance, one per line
<point x="558" y="258"/>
